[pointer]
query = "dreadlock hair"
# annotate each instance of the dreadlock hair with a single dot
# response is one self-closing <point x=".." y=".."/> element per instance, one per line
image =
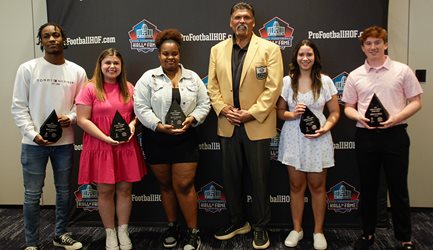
<point x="57" y="26"/>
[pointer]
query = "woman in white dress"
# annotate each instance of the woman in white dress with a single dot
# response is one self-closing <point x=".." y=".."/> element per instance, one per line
<point x="307" y="156"/>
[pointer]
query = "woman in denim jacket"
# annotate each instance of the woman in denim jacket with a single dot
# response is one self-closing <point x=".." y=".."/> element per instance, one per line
<point x="170" y="141"/>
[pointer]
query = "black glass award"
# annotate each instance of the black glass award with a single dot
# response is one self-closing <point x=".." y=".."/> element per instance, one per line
<point x="51" y="130"/>
<point x="309" y="122"/>
<point x="175" y="115"/>
<point x="119" y="130"/>
<point x="376" y="112"/>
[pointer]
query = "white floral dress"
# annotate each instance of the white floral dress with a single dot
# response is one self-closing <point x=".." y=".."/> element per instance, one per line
<point x="307" y="155"/>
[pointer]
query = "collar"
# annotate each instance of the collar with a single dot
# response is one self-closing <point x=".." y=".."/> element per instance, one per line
<point x="246" y="46"/>
<point x="185" y="73"/>
<point x="385" y="65"/>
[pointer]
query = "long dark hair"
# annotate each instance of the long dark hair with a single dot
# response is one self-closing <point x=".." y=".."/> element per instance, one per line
<point x="316" y="70"/>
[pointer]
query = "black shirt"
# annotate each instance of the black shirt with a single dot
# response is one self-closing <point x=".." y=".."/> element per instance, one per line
<point x="238" y="58"/>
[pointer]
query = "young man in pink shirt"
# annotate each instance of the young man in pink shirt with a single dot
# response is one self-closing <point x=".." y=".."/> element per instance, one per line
<point x="387" y="143"/>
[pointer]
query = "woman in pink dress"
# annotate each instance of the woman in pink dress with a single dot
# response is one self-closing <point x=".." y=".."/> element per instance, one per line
<point x="113" y="165"/>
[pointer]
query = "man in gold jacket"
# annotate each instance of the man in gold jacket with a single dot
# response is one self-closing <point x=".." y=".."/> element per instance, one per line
<point x="244" y="83"/>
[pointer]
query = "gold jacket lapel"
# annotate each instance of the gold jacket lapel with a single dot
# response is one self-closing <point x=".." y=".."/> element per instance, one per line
<point x="252" y="49"/>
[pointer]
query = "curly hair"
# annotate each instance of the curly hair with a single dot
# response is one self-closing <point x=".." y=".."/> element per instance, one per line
<point x="168" y="35"/>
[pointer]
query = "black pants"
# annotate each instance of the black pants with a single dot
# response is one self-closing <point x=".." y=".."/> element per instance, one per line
<point x="387" y="148"/>
<point x="239" y="152"/>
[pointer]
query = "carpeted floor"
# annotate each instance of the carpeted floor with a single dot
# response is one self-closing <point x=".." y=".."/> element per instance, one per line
<point x="93" y="237"/>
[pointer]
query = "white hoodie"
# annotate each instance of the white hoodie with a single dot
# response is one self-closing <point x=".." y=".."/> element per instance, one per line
<point x="41" y="87"/>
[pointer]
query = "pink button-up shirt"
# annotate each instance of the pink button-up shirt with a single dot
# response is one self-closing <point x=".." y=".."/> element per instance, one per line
<point x="393" y="83"/>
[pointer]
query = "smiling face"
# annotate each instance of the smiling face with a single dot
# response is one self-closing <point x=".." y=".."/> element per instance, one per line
<point x="374" y="49"/>
<point x="169" y="56"/>
<point x="52" y="40"/>
<point x="305" y="58"/>
<point x="111" y="67"/>
<point x="242" y="23"/>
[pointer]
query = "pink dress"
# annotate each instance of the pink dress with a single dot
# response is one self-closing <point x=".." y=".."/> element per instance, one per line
<point x="101" y="162"/>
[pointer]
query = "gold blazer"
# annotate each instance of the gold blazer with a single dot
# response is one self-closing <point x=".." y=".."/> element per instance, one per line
<point x="260" y="85"/>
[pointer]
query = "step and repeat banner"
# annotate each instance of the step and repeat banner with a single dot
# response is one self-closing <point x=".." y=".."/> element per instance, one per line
<point x="131" y="26"/>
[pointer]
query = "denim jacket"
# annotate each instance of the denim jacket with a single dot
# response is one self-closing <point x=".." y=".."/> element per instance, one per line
<point x="153" y="94"/>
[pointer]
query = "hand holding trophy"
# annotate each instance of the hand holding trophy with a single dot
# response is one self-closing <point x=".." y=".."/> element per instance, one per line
<point x="309" y="122"/>
<point x="51" y="130"/>
<point x="175" y="115"/>
<point x="119" y="130"/>
<point x="376" y="112"/>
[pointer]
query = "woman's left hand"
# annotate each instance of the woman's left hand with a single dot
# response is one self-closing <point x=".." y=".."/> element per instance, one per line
<point x="318" y="133"/>
<point x="132" y="129"/>
<point x="187" y="124"/>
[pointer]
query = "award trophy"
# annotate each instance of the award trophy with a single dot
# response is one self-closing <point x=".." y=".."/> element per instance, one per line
<point x="309" y="122"/>
<point x="175" y="115"/>
<point x="119" y="130"/>
<point x="51" y="130"/>
<point x="376" y="112"/>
